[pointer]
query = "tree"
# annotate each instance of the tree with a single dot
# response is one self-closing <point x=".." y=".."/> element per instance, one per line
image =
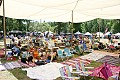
<point x="89" y="26"/>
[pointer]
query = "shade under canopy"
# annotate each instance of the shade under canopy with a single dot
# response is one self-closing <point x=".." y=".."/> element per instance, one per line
<point x="61" y="10"/>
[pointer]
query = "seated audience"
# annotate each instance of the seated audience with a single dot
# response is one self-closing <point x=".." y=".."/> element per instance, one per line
<point x="16" y="50"/>
<point x="24" y="56"/>
<point x="51" y="57"/>
<point x="35" y="52"/>
<point x="39" y="61"/>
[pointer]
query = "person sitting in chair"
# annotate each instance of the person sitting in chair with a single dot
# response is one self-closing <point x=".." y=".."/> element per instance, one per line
<point x="16" y="50"/>
<point x="35" y="52"/>
<point x="24" y="56"/>
<point x="51" y="57"/>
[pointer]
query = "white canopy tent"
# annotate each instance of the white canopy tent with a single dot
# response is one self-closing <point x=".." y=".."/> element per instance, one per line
<point x="99" y="33"/>
<point x="88" y="34"/>
<point x="78" y="32"/>
<point x="61" y="10"/>
<point x="117" y="34"/>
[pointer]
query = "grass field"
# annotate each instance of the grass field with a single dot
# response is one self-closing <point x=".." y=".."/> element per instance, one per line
<point x="22" y="75"/>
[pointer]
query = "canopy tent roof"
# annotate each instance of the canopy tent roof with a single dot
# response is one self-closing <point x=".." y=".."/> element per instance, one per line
<point x="61" y="10"/>
<point x="99" y="33"/>
<point x="117" y="34"/>
<point x="15" y="32"/>
<point x="88" y="34"/>
<point x="78" y="32"/>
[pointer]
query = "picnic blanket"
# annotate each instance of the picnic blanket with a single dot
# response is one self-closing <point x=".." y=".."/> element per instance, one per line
<point x="110" y="60"/>
<point x="11" y="65"/>
<point x="2" y="67"/>
<point x="93" y="56"/>
<point x="74" y="60"/>
<point x="15" y="64"/>
<point x="48" y="71"/>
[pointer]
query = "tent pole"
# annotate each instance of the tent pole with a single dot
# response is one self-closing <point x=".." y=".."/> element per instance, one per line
<point x="99" y="29"/>
<point x="72" y="21"/>
<point x="98" y="21"/>
<point x="4" y="27"/>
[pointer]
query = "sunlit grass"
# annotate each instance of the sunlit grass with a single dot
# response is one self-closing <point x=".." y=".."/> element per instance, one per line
<point x="22" y="75"/>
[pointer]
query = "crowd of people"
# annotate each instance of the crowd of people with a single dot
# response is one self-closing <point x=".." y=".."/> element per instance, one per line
<point x="33" y="48"/>
<point x="39" y="48"/>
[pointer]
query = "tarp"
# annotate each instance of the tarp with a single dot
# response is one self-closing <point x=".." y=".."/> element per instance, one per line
<point x="49" y="71"/>
<point x="61" y="10"/>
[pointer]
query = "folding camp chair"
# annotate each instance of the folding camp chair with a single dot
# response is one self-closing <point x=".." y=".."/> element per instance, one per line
<point x="81" y="69"/>
<point x="78" y="49"/>
<point x="84" y="47"/>
<point x="60" y="54"/>
<point x="66" y="74"/>
<point x="67" y="52"/>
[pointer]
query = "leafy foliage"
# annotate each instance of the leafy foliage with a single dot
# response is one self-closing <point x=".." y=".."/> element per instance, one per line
<point x="89" y="26"/>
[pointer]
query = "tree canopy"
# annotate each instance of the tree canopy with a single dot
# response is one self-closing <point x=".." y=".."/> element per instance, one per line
<point x="57" y="27"/>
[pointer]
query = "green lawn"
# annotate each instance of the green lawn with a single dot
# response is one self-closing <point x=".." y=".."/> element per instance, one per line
<point x="22" y="75"/>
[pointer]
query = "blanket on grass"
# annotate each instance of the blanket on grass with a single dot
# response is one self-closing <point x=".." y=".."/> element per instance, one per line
<point x="74" y="60"/>
<point x="48" y="71"/>
<point x="110" y="60"/>
<point x="15" y="64"/>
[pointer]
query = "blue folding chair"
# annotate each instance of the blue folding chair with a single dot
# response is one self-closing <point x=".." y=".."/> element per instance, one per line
<point x="60" y="53"/>
<point x="67" y="52"/>
<point x="84" y="47"/>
